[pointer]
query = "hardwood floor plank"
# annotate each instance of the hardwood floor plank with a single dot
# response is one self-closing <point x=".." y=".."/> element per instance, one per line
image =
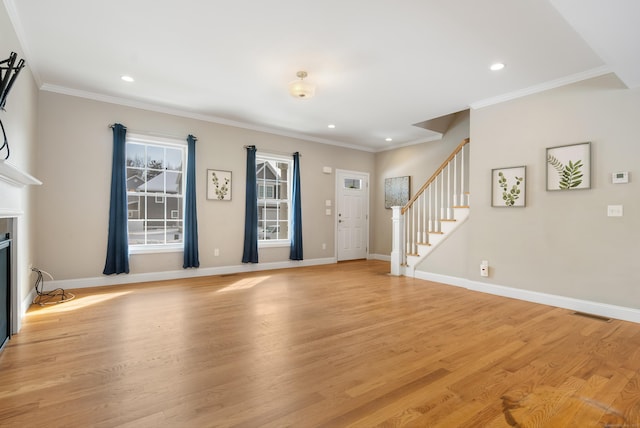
<point x="336" y="345"/>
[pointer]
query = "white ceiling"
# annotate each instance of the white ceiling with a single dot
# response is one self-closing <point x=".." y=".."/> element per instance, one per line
<point x="379" y="65"/>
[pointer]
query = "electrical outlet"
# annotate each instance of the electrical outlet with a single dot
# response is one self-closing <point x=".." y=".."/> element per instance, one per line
<point x="216" y="252"/>
<point x="484" y="268"/>
<point x="324" y="246"/>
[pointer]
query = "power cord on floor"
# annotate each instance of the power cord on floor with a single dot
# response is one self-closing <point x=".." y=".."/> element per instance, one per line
<point x="51" y="297"/>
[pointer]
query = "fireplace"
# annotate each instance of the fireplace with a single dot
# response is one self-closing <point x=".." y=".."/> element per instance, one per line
<point x="5" y="289"/>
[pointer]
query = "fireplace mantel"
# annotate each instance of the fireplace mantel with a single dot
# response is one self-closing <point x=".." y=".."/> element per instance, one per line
<point x="15" y="176"/>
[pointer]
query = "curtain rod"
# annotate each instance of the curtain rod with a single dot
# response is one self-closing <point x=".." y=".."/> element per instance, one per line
<point x="275" y="152"/>
<point x="154" y="134"/>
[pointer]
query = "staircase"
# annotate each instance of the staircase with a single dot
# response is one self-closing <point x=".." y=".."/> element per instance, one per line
<point x="435" y="211"/>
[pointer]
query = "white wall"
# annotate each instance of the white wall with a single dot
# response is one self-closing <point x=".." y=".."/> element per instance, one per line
<point x="561" y="243"/>
<point x="74" y="162"/>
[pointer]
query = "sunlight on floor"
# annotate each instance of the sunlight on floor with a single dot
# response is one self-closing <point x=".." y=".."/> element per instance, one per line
<point x="244" y="284"/>
<point x="77" y="303"/>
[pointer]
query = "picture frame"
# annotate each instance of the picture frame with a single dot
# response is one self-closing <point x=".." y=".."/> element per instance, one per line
<point x="397" y="191"/>
<point x="569" y="167"/>
<point x="508" y="187"/>
<point x="218" y="185"/>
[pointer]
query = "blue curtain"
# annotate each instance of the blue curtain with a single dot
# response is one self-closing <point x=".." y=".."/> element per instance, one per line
<point x="191" y="258"/>
<point x="250" y="253"/>
<point x="296" y="220"/>
<point x="118" y="240"/>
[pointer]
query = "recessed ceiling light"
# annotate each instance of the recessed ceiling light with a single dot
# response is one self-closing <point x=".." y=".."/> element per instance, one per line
<point x="127" y="78"/>
<point x="388" y="139"/>
<point x="497" y="66"/>
<point x="331" y="125"/>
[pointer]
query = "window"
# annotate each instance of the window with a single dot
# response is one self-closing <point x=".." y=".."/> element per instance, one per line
<point x="273" y="176"/>
<point x="155" y="193"/>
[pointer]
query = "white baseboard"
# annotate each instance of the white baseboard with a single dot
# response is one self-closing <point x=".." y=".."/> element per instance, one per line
<point x="107" y="280"/>
<point x="382" y="257"/>
<point x="587" y="306"/>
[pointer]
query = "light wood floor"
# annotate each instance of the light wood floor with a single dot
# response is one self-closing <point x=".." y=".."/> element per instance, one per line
<point x="334" y="346"/>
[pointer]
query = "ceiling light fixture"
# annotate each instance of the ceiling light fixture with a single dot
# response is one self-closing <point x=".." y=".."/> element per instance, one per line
<point x="388" y="139"/>
<point x="331" y="126"/>
<point x="127" y="78"/>
<point x="497" y="66"/>
<point x="300" y="88"/>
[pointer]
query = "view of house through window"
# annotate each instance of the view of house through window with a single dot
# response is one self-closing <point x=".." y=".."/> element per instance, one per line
<point x="155" y="193"/>
<point x="273" y="176"/>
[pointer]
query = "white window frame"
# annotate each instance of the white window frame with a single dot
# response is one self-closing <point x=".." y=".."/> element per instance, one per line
<point x="266" y="243"/>
<point x="166" y="142"/>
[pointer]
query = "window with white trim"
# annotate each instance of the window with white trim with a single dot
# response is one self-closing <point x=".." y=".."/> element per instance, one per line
<point x="155" y="193"/>
<point x="273" y="176"/>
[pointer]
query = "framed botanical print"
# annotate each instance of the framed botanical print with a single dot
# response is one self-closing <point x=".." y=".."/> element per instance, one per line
<point x="569" y="167"/>
<point x="508" y="186"/>
<point x="218" y="185"/>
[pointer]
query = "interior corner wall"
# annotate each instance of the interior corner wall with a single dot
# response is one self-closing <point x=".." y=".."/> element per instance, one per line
<point x="20" y="123"/>
<point x="418" y="161"/>
<point x="562" y="243"/>
<point x="74" y="162"/>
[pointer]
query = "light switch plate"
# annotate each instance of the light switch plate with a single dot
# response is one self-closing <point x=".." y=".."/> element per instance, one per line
<point x="614" y="211"/>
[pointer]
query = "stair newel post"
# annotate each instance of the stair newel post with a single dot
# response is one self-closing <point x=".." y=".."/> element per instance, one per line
<point x="397" y="245"/>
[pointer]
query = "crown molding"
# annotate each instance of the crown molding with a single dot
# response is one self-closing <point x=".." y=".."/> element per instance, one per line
<point x="552" y="84"/>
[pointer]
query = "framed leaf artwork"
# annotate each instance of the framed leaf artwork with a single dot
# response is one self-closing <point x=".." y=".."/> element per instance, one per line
<point x="508" y="187"/>
<point x="218" y="185"/>
<point x="569" y="167"/>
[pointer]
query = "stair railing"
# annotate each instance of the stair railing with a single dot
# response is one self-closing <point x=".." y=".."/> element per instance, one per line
<point x="432" y="205"/>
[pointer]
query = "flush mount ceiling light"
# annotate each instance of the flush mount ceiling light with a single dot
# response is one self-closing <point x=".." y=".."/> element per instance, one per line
<point x="127" y="78"/>
<point x="497" y="66"/>
<point x="300" y="88"/>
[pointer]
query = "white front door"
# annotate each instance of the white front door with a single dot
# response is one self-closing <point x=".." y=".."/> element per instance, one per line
<point x="352" y="214"/>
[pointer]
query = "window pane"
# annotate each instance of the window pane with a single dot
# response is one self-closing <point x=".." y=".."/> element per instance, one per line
<point x="155" y="209"/>
<point x="173" y="182"/>
<point x="155" y="232"/>
<point x="135" y="180"/>
<point x="155" y="157"/>
<point x="136" y="232"/>
<point x="133" y="207"/>
<point x="174" y="159"/>
<point x="174" y="208"/>
<point x="135" y="155"/>
<point x="174" y="232"/>
<point x="351" y="183"/>
<point x="283" y="229"/>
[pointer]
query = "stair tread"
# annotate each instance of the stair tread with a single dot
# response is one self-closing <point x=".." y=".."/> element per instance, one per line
<point x="424" y="243"/>
<point x="461" y="206"/>
<point x="448" y="219"/>
<point x="439" y="233"/>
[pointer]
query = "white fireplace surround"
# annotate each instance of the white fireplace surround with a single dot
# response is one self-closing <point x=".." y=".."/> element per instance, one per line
<point x="15" y="176"/>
